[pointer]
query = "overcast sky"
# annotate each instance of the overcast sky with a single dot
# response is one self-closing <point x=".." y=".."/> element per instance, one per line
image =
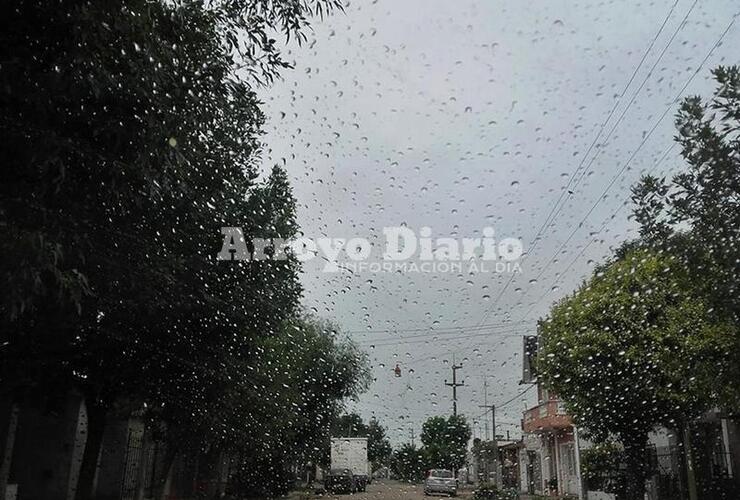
<point x="470" y="114"/>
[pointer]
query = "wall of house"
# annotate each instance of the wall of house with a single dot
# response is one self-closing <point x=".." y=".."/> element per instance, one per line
<point x="531" y="464"/>
<point x="731" y="430"/>
<point x="523" y="475"/>
<point x="119" y="460"/>
<point x="44" y="462"/>
<point x="78" y="449"/>
<point x="8" y="426"/>
<point x="567" y="473"/>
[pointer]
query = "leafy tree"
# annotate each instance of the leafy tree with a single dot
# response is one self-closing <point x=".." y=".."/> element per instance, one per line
<point x="601" y="466"/>
<point x="250" y="26"/>
<point x="378" y="447"/>
<point x="349" y="425"/>
<point x="302" y="377"/>
<point x="635" y="347"/>
<point x="408" y="463"/>
<point x="128" y="141"/>
<point x="696" y="214"/>
<point x="446" y="441"/>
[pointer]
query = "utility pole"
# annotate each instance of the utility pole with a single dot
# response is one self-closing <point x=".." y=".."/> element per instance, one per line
<point x="412" y="437"/>
<point x="494" y="443"/>
<point x="579" y="478"/>
<point x="497" y="458"/>
<point x="485" y="403"/>
<point x="493" y="424"/>
<point x="454" y="385"/>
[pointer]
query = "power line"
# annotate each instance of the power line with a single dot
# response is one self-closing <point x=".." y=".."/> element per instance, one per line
<point x="634" y="96"/>
<point x="585" y="247"/>
<point x="505" y="403"/>
<point x="435" y="329"/>
<point x="583" y="250"/>
<point x="634" y="74"/>
<point x="427" y="337"/>
<point x="611" y="113"/>
<point x="443" y="340"/>
<point x="508" y="401"/>
<point x="639" y="147"/>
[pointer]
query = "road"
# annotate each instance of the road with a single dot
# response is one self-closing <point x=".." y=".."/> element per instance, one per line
<point x="391" y="490"/>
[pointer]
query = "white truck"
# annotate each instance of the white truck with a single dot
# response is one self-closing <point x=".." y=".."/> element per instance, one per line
<point x="351" y="453"/>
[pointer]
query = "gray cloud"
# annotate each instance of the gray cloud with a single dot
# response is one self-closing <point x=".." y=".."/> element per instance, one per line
<point x="461" y="115"/>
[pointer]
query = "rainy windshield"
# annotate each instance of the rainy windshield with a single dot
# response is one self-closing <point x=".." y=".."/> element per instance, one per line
<point x="256" y="249"/>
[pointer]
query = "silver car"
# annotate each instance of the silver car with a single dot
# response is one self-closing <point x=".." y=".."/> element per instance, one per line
<point x="440" y="481"/>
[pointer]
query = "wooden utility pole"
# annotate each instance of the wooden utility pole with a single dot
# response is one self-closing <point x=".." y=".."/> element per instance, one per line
<point x="485" y="403"/>
<point x="454" y="385"/>
<point x="494" y="444"/>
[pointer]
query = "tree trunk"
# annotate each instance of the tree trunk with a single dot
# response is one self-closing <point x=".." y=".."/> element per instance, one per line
<point x="8" y="426"/>
<point x="161" y="481"/>
<point x="688" y="461"/>
<point x="96" y="415"/>
<point x="207" y="477"/>
<point x="635" y="455"/>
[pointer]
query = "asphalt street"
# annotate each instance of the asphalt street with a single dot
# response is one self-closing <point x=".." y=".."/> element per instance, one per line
<point x="391" y="490"/>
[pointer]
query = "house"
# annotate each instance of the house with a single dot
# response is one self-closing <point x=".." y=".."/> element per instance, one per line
<point x="549" y="458"/>
<point x="51" y="434"/>
<point x="550" y="454"/>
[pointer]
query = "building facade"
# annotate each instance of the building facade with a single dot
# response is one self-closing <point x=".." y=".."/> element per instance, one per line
<point x="549" y="458"/>
<point x="699" y="463"/>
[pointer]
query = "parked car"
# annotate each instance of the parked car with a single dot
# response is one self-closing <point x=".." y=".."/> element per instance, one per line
<point x="440" y="481"/>
<point x="340" y="481"/>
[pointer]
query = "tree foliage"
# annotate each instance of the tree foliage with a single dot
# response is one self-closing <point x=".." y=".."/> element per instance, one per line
<point x="446" y="441"/>
<point x="408" y="463"/>
<point x="444" y="446"/>
<point x="250" y="27"/>
<point x="301" y="377"/>
<point x="378" y="446"/>
<point x="601" y="466"/>
<point x="696" y="214"/>
<point x="652" y="338"/>
<point x="131" y="135"/>
<point x="635" y="347"/>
